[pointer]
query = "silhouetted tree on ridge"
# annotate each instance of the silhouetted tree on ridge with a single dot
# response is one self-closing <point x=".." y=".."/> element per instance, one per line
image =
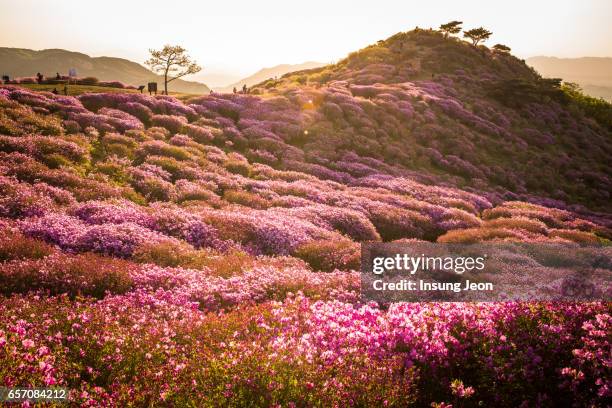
<point x="504" y="49"/>
<point x="453" y="27"/>
<point x="477" y="35"/>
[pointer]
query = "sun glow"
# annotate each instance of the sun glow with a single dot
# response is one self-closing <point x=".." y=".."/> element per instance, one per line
<point x="240" y="37"/>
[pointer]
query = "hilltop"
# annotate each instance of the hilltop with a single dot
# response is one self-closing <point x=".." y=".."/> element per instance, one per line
<point x="18" y="62"/>
<point x="476" y="117"/>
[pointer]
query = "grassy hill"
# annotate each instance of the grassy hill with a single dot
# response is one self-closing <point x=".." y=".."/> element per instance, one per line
<point x="17" y="62"/>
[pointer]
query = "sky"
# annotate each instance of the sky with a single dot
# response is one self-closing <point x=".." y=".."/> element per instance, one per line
<point x="235" y="38"/>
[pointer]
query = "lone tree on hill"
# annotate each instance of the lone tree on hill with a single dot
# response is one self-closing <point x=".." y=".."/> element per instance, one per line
<point x="504" y="49"/>
<point x="454" y="27"/>
<point x="173" y="62"/>
<point x="477" y="35"/>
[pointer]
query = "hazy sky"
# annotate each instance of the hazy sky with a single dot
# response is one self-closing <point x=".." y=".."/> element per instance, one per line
<point x="237" y="38"/>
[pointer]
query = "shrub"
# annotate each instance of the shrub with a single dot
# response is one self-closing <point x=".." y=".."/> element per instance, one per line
<point x="22" y="200"/>
<point x="238" y="167"/>
<point x="352" y="223"/>
<point x="85" y="274"/>
<point x="231" y="263"/>
<point x="14" y="245"/>
<point x="521" y="223"/>
<point x="117" y="239"/>
<point x="71" y="126"/>
<point x="328" y="256"/>
<point x="265" y="232"/>
<point x="158" y="133"/>
<point x="138" y="110"/>
<point x="160" y="148"/>
<point x="113" y="84"/>
<point x="246" y="198"/>
<point x="575" y="236"/>
<point x="88" y="81"/>
<point x="174" y="124"/>
<point x="152" y="182"/>
<point x="190" y="191"/>
<point x="552" y="217"/>
<point x="475" y="235"/>
<point x="199" y="134"/>
<point x="395" y="223"/>
<point x="121" y="120"/>
<point x="164" y="254"/>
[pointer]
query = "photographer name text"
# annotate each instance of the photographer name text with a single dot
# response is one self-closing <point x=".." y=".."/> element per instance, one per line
<point x="421" y="285"/>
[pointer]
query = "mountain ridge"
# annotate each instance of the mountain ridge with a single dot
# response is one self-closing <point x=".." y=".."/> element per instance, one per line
<point x="268" y="73"/>
<point x="19" y="62"/>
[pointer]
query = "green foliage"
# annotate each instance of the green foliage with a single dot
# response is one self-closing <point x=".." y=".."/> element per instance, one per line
<point x="453" y="27"/>
<point x="326" y="256"/>
<point x="501" y="48"/>
<point x="596" y="108"/>
<point x="90" y="81"/>
<point x="16" y="120"/>
<point x="237" y="167"/>
<point x="173" y="62"/>
<point x="518" y="92"/>
<point x="477" y="35"/>
<point x="246" y="198"/>
<point x="115" y="169"/>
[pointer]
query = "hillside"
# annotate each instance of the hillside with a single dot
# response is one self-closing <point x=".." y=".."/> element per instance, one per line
<point x="442" y="107"/>
<point x="17" y="62"/>
<point x="269" y="73"/>
<point x="594" y="75"/>
<point x="204" y="251"/>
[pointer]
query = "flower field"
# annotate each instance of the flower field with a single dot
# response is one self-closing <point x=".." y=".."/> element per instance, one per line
<point x="204" y="251"/>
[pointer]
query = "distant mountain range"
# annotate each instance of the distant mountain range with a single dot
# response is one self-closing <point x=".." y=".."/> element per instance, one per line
<point x="593" y="74"/>
<point x="268" y="73"/>
<point x="19" y="62"/>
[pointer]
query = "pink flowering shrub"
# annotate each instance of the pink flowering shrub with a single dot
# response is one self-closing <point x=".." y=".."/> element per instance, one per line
<point x="592" y="361"/>
<point x="121" y="120"/>
<point x="72" y="234"/>
<point x="199" y="134"/>
<point x="117" y="239"/>
<point x="152" y="182"/>
<point x="174" y="124"/>
<point x="265" y="232"/>
<point x="138" y="110"/>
